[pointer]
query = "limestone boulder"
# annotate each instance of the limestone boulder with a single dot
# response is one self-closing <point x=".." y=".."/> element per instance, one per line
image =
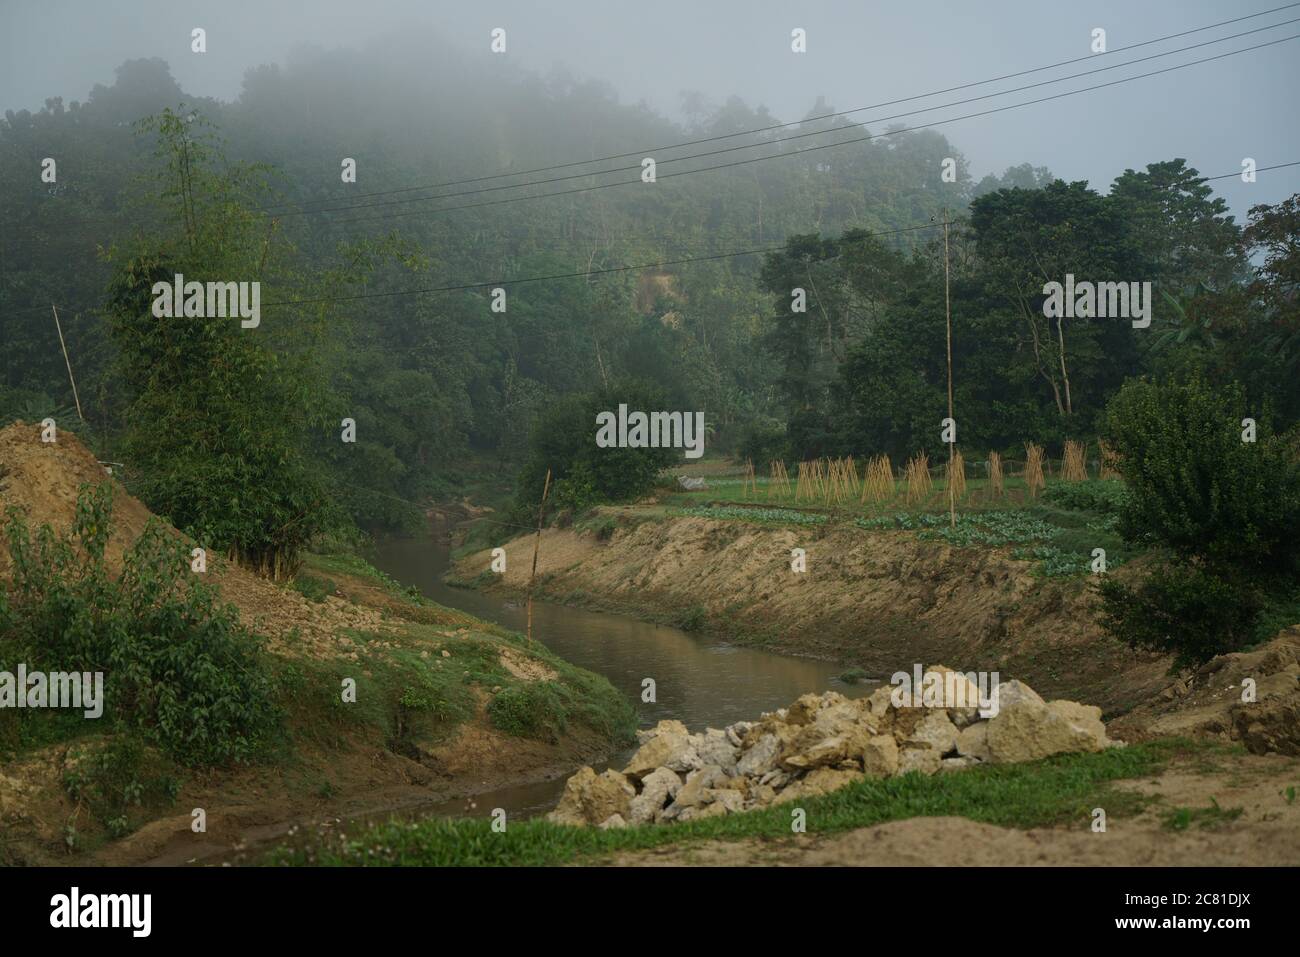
<point x="973" y="742"/>
<point x="922" y="760"/>
<point x="590" y="798"/>
<point x="657" y="789"/>
<point x="934" y="731"/>
<point x="760" y="757"/>
<point x="667" y="749"/>
<point x="880" y="756"/>
<point x="1008" y="693"/>
<point x="714" y="747"/>
<point x="818" y="782"/>
<point x="1030" y="730"/>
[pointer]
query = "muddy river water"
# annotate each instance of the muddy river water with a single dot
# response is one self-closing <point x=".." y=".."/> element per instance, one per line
<point x="700" y="680"/>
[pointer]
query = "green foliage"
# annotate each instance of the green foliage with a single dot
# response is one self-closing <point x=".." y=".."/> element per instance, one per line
<point x="178" y="668"/>
<point x="782" y="516"/>
<point x="313" y="587"/>
<point x="120" y="781"/>
<point x="532" y="709"/>
<point x="1227" y="510"/>
<point x="582" y="473"/>
<point x="1106" y="497"/>
<point x="217" y="419"/>
<point x="1197" y="487"/>
<point x="1183" y="610"/>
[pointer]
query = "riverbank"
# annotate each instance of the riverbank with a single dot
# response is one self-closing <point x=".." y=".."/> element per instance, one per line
<point x="874" y="601"/>
<point x="388" y="701"/>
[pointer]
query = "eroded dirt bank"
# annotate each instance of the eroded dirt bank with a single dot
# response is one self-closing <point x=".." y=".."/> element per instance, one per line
<point x="879" y="601"/>
<point x="333" y="764"/>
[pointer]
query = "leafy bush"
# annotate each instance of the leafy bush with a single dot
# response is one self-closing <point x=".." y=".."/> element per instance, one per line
<point x="178" y="667"/>
<point x="532" y="709"/>
<point x="1182" y="610"/>
<point x="583" y="474"/>
<point x="1227" y="510"/>
<point x="1197" y="488"/>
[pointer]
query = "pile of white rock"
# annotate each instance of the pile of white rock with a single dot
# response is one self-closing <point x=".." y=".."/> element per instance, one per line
<point x="817" y="745"/>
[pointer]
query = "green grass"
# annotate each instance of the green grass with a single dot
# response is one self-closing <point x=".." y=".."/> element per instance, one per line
<point x="1058" y="791"/>
<point x="358" y="567"/>
<point x="313" y="587"/>
<point x="1183" y="818"/>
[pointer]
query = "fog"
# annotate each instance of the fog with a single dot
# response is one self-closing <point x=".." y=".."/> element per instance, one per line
<point x="858" y="54"/>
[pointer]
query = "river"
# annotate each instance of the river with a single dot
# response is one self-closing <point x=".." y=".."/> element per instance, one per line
<point x="700" y="680"/>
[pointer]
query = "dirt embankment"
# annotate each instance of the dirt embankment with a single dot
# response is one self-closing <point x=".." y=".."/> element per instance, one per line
<point x="880" y="601"/>
<point x="331" y="771"/>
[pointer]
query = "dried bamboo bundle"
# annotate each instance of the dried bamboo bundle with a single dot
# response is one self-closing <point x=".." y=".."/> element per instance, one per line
<point x="957" y="475"/>
<point x="1034" y="480"/>
<point x="780" y="483"/>
<point x="801" y="483"/>
<point x="1073" y="465"/>
<point x="918" y="478"/>
<point x="1109" y="461"/>
<point x="878" y="486"/>
<point x="851" y="474"/>
<point x="819" y="478"/>
<point x="995" y="474"/>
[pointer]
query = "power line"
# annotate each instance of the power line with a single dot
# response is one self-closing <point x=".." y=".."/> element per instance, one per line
<point x="301" y="210"/>
<point x="823" y="146"/>
<point x="616" y="269"/>
<point x="787" y="139"/>
<point x="813" y="119"/>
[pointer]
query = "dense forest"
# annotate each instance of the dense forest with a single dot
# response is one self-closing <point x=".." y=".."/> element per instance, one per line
<point x="153" y="181"/>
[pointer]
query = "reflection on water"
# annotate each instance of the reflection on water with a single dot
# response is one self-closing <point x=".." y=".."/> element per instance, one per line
<point x="701" y="681"/>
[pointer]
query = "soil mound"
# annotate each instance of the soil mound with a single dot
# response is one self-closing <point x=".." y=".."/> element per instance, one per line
<point x="42" y="479"/>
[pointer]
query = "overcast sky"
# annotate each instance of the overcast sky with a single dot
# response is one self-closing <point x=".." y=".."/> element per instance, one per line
<point x="859" y="52"/>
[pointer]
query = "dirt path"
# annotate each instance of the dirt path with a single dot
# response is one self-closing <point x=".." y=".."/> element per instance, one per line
<point x="1266" y="833"/>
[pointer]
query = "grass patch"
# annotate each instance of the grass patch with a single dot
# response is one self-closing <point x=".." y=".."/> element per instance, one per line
<point x="1057" y="791"/>
<point x="1183" y="818"/>
<point x="313" y="587"/>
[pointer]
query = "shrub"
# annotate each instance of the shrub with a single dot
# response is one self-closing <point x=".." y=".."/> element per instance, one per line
<point x="1182" y="610"/>
<point x="178" y="667"/>
<point x="1227" y="510"/>
<point x="1197" y="488"/>
<point x="532" y="709"/>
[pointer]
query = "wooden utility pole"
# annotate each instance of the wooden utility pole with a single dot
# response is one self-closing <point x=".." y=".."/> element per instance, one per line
<point x="67" y="361"/>
<point x="537" y="544"/>
<point x="947" y="308"/>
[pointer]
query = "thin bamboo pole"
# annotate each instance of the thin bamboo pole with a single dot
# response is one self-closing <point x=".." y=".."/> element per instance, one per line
<point x="537" y="544"/>
<point x="67" y="361"/>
